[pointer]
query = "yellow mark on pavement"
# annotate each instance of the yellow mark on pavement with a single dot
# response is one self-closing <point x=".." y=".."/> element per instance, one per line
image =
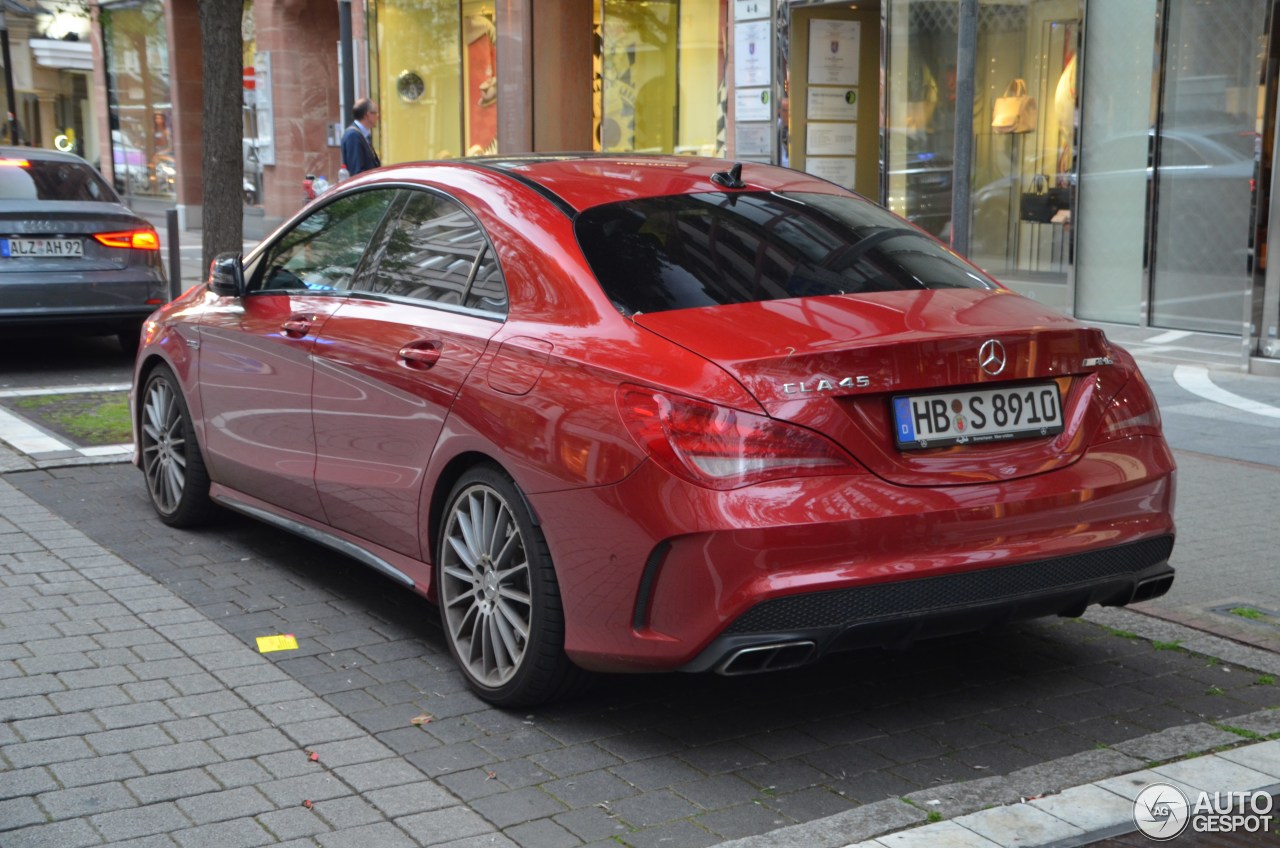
<point x="266" y="644"/>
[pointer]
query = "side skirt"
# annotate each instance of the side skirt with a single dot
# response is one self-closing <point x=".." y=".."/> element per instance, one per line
<point x="320" y="537"/>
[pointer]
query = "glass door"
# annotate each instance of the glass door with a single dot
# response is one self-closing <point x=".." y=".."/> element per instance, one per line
<point x="1264" y="307"/>
<point x="1207" y="142"/>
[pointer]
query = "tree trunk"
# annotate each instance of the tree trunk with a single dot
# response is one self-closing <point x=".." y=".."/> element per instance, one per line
<point x="222" y="133"/>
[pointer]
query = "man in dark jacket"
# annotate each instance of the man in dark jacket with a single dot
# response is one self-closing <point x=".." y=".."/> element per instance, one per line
<point x="357" y="147"/>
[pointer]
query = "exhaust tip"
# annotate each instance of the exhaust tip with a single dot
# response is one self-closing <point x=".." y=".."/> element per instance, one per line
<point x="762" y="658"/>
<point x="1153" y="587"/>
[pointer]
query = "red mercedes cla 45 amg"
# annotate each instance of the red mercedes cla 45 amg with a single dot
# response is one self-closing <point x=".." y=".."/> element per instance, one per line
<point x="634" y="414"/>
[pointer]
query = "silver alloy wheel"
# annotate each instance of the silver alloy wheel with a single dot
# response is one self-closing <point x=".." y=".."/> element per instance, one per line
<point x="164" y="445"/>
<point x="485" y="586"/>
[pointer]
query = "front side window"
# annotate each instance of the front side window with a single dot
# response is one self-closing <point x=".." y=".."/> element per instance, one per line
<point x="436" y="252"/>
<point x="323" y="251"/>
<point x="685" y="251"/>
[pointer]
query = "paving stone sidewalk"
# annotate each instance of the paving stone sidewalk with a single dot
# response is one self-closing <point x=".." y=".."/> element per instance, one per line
<point x="130" y="718"/>
<point x="137" y="711"/>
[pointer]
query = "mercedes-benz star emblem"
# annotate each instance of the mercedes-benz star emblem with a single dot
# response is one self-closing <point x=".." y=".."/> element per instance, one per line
<point x="991" y="357"/>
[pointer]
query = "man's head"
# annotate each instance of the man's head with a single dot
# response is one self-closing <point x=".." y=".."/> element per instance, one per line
<point x="366" y="112"/>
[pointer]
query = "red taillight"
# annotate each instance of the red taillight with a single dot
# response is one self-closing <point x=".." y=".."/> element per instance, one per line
<point x="723" y="448"/>
<point x="136" y="239"/>
<point x="1132" y="412"/>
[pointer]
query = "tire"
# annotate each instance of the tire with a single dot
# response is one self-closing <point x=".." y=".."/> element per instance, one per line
<point x="171" y="460"/>
<point x="499" y="600"/>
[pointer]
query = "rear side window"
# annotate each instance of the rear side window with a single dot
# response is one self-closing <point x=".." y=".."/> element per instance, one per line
<point x="436" y="252"/>
<point x="685" y="251"/>
<point x="33" y="179"/>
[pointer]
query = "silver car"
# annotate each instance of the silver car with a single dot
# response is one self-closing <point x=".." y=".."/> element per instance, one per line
<point x="73" y="257"/>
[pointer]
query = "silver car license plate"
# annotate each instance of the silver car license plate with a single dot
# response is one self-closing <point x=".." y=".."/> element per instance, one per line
<point x="15" y="248"/>
<point x="977" y="415"/>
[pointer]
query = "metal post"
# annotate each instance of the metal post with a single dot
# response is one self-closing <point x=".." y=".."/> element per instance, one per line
<point x="175" y="253"/>
<point x="8" y="79"/>
<point x="347" y="55"/>
<point x="962" y="155"/>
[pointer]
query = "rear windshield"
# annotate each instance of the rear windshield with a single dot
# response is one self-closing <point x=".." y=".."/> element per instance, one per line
<point x="690" y="250"/>
<point x="32" y="179"/>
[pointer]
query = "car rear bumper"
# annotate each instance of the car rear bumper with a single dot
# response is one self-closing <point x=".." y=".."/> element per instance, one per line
<point x="658" y="574"/>
<point x="100" y="320"/>
<point x="792" y="631"/>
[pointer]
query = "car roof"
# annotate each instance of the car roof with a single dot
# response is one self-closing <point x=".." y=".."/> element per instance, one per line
<point x="578" y="181"/>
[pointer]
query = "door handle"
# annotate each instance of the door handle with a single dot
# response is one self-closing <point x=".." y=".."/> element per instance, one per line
<point x="296" y="327"/>
<point x="421" y="354"/>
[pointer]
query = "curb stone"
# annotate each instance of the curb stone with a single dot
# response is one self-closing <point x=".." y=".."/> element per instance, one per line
<point x="988" y="814"/>
<point x="1195" y="641"/>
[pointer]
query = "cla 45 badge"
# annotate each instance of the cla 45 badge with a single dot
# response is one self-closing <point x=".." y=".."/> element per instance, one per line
<point x="825" y="385"/>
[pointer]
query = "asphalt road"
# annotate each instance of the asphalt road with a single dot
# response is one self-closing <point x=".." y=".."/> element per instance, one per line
<point x="1228" y="452"/>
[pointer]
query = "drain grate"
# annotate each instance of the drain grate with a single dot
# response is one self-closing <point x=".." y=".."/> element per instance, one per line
<point x="1251" y="614"/>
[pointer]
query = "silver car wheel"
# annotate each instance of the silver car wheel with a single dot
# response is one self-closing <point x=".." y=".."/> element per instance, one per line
<point x="164" y="447"/>
<point x="485" y="586"/>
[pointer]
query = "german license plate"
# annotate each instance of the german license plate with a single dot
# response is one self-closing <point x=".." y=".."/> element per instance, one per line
<point x="15" y="248"/>
<point x="976" y="416"/>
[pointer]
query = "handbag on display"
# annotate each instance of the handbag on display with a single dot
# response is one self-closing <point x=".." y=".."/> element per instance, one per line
<point x="1015" y="111"/>
<point x="1043" y="202"/>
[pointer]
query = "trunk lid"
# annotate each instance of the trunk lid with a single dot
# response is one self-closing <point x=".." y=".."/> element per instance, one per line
<point x="67" y="220"/>
<point x="834" y="364"/>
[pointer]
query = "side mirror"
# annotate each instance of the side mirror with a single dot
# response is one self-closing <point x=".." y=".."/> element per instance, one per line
<point x="226" y="275"/>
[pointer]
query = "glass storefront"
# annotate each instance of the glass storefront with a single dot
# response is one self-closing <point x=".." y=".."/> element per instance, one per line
<point x="436" y="78"/>
<point x="136" y="56"/>
<point x="1024" y="131"/>
<point x="1209" y="109"/>
<point x="1122" y="195"/>
<point x="661" y="65"/>
<point x="1116" y="132"/>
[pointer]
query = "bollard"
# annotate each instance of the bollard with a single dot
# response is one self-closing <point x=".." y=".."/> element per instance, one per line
<point x="175" y="254"/>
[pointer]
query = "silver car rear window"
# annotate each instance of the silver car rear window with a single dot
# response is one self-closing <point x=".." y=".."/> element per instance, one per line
<point x="35" y="179"/>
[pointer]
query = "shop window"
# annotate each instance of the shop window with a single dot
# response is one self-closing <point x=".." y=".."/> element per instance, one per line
<point x="656" y="60"/>
<point x="437" y="78"/>
<point x="136" y="57"/>
<point x="1026" y="59"/>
